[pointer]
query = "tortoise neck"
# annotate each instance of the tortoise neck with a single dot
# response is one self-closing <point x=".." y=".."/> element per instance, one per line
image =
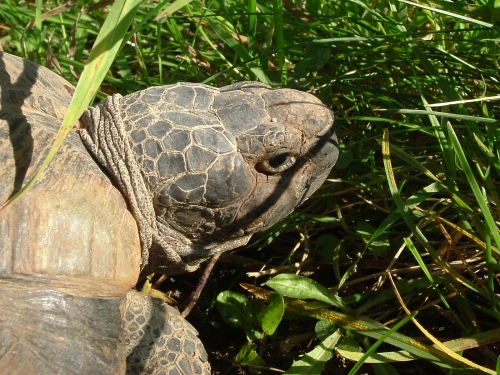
<point x="104" y="134"/>
<point x="105" y="137"/>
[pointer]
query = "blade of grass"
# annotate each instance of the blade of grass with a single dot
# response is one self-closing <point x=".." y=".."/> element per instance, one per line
<point x="411" y="161"/>
<point x="491" y="277"/>
<point x="450" y="166"/>
<point x="457" y="345"/>
<point x="223" y="31"/>
<point x="172" y="8"/>
<point x="280" y="40"/>
<point x="485" y="99"/>
<point x="403" y="210"/>
<point x="380" y="341"/>
<point x="102" y="55"/>
<point x="446" y="87"/>
<point x="252" y="25"/>
<point x="416" y="231"/>
<point x="436" y="342"/>
<point x="421" y="263"/>
<point x="454" y="15"/>
<point x="440" y="114"/>
<point x="376" y="330"/>
<point x="483" y="204"/>
<point x="455" y="227"/>
<point x="38" y="16"/>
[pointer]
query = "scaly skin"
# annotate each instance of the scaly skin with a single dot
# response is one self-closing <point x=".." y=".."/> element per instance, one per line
<point x="201" y="169"/>
<point x="205" y="168"/>
<point x="160" y="341"/>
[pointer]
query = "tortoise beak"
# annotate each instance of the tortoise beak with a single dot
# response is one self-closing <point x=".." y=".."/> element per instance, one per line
<point x="276" y="196"/>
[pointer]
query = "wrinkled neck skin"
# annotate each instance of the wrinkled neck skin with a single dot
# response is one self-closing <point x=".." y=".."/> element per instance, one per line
<point x="205" y="168"/>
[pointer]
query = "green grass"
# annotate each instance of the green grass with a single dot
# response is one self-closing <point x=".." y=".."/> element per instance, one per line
<point x="415" y="193"/>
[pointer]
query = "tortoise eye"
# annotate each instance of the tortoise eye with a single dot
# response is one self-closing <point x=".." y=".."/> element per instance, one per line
<point x="277" y="162"/>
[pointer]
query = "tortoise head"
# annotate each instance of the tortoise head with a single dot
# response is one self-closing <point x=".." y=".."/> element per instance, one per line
<point x="226" y="163"/>
<point x="217" y="164"/>
<point x="287" y="142"/>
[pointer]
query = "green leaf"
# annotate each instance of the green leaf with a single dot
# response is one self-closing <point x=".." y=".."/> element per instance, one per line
<point x="280" y="40"/>
<point x="324" y="328"/>
<point x="385" y="357"/>
<point x="172" y="8"/>
<point x="350" y="344"/>
<point x="344" y="160"/>
<point x="455" y="15"/>
<point x="314" y="362"/>
<point x="376" y="246"/>
<point x="294" y="286"/>
<point x="237" y="311"/>
<point x="273" y="313"/>
<point x="490" y="221"/>
<point x="380" y="341"/>
<point x="248" y="356"/>
<point x="224" y="31"/>
<point x="326" y="246"/>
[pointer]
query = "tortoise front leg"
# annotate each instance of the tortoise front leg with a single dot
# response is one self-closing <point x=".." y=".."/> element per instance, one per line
<point x="159" y="341"/>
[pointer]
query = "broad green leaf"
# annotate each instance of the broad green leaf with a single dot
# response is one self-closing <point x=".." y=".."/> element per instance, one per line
<point x="238" y="311"/>
<point x="273" y="313"/>
<point x="248" y="356"/>
<point x="350" y="343"/>
<point x="294" y="286"/>
<point x="324" y="328"/>
<point x="344" y="160"/>
<point x="232" y="307"/>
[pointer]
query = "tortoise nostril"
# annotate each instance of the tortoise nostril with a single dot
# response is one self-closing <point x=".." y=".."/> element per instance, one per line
<point x="276" y="163"/>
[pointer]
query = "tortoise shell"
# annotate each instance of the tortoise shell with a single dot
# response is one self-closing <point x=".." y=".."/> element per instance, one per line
<point x="162" y="178"/>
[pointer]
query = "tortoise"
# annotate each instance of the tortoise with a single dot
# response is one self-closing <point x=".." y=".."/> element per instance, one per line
<point x="155" y="181"/>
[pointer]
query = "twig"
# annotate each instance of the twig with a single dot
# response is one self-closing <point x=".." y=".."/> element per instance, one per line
<point x="193" y="299"/>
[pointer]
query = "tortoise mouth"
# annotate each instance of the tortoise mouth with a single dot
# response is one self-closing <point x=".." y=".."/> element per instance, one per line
<point x="277" y="195"/>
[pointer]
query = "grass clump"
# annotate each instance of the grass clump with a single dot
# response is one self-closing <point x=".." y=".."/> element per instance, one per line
<point x="408" y="221"/>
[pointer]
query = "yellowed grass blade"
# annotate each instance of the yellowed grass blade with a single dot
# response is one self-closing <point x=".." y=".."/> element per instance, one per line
<point x="436" y="342"/>
<point x="102" y="55"/>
